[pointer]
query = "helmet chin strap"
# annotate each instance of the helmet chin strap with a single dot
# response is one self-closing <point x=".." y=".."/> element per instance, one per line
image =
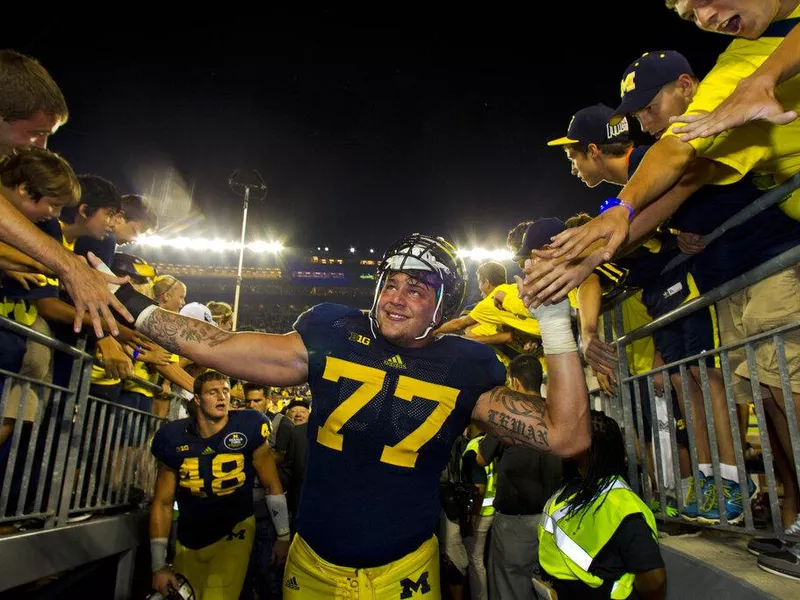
<point x="433" y="321"/>
<point x="373" y="317"/>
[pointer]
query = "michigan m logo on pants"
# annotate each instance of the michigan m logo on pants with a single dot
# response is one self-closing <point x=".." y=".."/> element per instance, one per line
<point x="421" y="586"/>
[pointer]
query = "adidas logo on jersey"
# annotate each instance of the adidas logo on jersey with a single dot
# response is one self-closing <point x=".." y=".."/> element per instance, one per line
<point x="395" y="361"/>
<point x="292" y="584"/>
<point x="207" y="451"/>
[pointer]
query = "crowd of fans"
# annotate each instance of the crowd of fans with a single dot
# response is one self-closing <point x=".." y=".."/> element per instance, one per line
<point x="666" y="246"/>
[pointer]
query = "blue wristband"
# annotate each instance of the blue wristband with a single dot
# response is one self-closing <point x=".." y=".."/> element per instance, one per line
<point x="612" y="202"/>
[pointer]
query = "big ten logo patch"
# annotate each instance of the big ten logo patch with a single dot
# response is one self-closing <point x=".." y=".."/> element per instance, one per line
<point x="361" y="339"/>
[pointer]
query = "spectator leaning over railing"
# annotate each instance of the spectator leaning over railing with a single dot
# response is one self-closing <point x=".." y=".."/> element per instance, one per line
<point x="39" y="184"/>
<point x="32" y="108"/>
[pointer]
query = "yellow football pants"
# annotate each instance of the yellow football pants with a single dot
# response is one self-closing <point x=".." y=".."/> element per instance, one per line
<point x="416" y="575"/>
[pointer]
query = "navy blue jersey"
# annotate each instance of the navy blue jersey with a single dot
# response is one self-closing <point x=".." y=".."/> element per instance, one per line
<point x="383" y="422"/>
<point x="764" y="236"/>
<point x="103" y="249"/>
<point x="215" y="475"/>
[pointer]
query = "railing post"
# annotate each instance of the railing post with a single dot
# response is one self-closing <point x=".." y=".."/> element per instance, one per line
<point x="69" y="445"/>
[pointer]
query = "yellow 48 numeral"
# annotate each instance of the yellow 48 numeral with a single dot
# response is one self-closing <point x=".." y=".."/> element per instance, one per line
<point x="405" y="452"/>
<point x="225" y="468"/>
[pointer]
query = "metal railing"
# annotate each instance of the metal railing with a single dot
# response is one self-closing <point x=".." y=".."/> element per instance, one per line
<point x="630" y="413"/>
<point x="79" y="453"/>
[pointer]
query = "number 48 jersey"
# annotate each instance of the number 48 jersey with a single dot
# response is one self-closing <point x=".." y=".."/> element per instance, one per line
<point x="215" y="475"/>
<point x="383" y="421"/>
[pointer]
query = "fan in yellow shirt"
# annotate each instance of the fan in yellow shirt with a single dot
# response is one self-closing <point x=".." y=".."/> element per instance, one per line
<point x="758" y="146"/>
<point x="500" y="319"/>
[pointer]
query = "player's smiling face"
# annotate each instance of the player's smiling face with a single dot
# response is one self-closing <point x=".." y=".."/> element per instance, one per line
<point x="214" y="399"/>
<point x="743" y="18"/>
<point x="406" y="307"/>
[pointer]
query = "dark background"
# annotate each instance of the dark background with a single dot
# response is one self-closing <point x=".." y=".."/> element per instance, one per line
<point x="366" y="125"/>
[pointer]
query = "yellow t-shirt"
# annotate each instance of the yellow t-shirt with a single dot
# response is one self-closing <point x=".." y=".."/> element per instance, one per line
<point x="142" y="371"/>
<point x="513" y="314"/>
<point x="758" y="146"/>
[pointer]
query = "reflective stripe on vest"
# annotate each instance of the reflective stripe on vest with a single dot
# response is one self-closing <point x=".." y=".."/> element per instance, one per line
<point x="567" y="547"/>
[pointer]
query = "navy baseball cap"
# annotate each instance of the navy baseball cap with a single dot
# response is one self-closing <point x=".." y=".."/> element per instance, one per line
<point x="538" y="235"/>
<point x="590" y="125"/>
<point x="645" y="77"/>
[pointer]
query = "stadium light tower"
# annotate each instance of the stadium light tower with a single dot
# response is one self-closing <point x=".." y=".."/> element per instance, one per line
<point x="242" y="188"/>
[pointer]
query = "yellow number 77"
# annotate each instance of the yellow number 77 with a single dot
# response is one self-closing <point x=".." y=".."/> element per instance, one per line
<point x="405" y="452"/>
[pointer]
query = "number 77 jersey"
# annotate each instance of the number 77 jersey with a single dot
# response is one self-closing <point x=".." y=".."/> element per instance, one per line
<point x="382" y="424"/>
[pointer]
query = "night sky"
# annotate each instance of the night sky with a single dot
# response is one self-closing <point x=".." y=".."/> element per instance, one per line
<point x="366" y="126"/>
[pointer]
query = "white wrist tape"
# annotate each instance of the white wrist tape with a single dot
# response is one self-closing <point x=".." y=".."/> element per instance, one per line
<point x="276" y="503"/>
<point x="158" y="553"/>
<point x="555" y="325"/>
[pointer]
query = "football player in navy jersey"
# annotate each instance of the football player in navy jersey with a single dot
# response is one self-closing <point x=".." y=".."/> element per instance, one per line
<point x="208" y="463"/>
<point x="389" y="400"/>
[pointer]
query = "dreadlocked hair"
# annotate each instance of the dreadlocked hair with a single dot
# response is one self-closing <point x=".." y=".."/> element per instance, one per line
<point x="606" y="462"/>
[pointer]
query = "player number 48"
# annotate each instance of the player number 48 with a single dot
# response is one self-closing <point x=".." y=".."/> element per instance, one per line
<point x="227" y="470"/>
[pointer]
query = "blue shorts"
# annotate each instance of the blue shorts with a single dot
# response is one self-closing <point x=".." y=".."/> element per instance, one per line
<point x="688" y="336"/>
<point x="12" y="351"/>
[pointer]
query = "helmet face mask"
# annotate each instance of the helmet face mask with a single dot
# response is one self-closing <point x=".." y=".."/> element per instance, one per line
<point x="417" y="255"/>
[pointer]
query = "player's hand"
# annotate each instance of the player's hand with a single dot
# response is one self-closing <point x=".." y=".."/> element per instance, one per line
<point x="690" y="243"/>
<point x="548" y="281"/>
<point x="600" y="356"/>
<point x="752" y="100"/>
<point x="162" y="579"/>
<point x="89" y="291"/>
<point x="26" y="280"/>
<point x="612" y="226"/>
<point x="279" y="552"/>
<point x="116" y="363"/>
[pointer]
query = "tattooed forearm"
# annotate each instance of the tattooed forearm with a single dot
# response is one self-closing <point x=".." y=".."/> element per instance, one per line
<point x="175" y="332"/>
<point x="513" y="417"/>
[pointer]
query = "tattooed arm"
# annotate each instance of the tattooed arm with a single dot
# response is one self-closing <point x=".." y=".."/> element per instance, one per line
<point x="280" y="360"/>
<point x="560" y="425"/>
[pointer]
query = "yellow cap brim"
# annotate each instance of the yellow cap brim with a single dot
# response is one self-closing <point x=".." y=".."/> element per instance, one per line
<point x="562" y="142"/>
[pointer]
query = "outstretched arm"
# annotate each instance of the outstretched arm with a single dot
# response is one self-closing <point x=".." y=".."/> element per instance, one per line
<point x="754" y="97"/>
<point x="456" y="325"/>
<point x="561" y="425"/>
<point x="87" y="288"/>
<point x="280" y="360"/>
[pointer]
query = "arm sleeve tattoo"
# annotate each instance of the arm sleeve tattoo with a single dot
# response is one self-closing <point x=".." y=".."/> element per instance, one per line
<point x="514" y="417"/>
<point x="175" y="332"/>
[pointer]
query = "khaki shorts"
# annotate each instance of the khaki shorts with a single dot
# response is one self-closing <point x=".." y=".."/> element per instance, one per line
<point x="36" y="365"/>
<point x="761" y="307"/>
